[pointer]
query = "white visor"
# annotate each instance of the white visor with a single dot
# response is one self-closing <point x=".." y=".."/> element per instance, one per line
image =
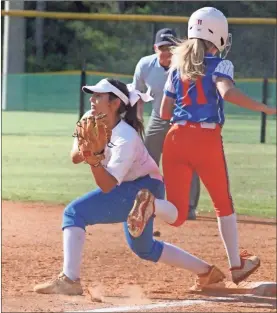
<point x="103" y="87"/>
<point x="135" y="95"/>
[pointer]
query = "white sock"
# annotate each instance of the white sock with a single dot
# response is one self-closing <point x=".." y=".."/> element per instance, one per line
<point x="73" y="242"/>
<point x="177" y="257"/>
<point x="166" y="211"/>
<point x="227" y="226"/>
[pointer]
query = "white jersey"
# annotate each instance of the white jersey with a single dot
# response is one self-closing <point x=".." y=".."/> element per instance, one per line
<point x="126" y="157"/>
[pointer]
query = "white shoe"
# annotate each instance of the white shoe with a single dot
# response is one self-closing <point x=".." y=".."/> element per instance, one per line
<point x="249" y="264"/>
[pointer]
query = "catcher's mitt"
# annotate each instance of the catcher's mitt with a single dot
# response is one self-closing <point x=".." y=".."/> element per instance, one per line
<point x="93" y="135"/>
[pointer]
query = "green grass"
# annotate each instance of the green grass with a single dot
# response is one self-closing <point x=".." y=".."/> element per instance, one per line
<point x="36" y="164"/>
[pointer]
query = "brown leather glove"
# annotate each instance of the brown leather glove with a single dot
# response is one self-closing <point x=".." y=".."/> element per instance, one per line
<point x="93" y="135"/>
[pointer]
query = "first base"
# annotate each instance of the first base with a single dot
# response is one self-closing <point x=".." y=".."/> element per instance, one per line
<point x="263" y="289"/>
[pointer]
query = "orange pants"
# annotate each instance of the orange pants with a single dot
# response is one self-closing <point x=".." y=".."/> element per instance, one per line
<point x="189" y="148"/>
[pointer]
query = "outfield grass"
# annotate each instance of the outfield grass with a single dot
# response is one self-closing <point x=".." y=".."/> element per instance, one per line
<point x="36" y="164"/>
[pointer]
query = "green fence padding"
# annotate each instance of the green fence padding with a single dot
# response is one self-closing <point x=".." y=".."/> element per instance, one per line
<point x="61" y="92"/>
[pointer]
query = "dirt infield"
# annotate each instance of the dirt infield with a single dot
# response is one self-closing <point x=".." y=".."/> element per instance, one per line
<point x="32" y="253"/>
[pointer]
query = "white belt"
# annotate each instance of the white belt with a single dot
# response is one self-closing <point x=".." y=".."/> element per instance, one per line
<point x="202" y="124"/>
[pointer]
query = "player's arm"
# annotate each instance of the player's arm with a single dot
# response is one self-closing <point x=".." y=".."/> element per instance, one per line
<point x="76" y="156"/>
<point x="119" y="164"/>
<point x="223" y="78"/>
<point x="167" y="107"/>
<point x="122" y="158"/>
<point x="230" y="93"/>
<point x="103" y="178"/>
<point x="169" y="97"/>
<point x="140" y="109"/>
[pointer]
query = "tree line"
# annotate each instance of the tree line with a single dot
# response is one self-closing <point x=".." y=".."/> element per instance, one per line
<point x="58" y="45"/>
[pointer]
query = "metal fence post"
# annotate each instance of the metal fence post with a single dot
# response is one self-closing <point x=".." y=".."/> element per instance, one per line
<point x="263" y="115"/>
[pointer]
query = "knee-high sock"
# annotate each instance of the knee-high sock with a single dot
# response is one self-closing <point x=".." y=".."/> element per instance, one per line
<point x="227" y="226"/>
<point x="166" y="211"/>
<point x="177" y="257"/>
<point x="73" y="243"/>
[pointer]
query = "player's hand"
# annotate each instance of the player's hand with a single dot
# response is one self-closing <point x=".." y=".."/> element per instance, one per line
<point x="270" y="111"/>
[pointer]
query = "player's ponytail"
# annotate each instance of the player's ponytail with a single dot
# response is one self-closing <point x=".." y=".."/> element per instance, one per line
<point x="127" y="112"/>
<point x="188" y="57"/>
<point x="132" y="119"/>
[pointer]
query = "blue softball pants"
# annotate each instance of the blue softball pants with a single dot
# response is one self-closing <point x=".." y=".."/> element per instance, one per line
<point x="97" y="207"/>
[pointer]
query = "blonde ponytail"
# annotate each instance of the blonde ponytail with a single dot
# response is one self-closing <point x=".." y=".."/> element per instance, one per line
<point x="188" y="58"/>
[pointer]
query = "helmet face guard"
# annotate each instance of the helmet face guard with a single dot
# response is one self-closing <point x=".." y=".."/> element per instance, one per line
<point x="226" y="49"/>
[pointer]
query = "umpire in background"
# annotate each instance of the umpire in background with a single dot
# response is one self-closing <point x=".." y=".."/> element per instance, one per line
<point x="150" y="75"/>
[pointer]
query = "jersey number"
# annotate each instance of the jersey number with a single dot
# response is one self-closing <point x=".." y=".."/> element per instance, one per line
<point x="200" y="95"/>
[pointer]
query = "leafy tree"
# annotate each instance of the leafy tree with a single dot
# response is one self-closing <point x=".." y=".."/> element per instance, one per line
<point x="117" y="46"/>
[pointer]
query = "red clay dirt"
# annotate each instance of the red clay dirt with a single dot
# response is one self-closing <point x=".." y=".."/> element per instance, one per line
<point x="32" y="253"/>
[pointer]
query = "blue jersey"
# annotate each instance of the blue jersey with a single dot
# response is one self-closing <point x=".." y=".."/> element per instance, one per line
<point x="199" y="101"/>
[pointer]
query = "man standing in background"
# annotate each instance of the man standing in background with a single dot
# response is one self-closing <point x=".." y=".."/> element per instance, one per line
<point x="151" y="75"/>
